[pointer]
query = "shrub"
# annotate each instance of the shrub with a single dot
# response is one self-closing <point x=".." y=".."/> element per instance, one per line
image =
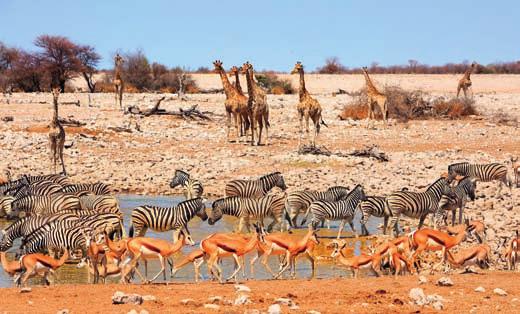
<point x="332" y="66"/>
<point x="273" y="84"/>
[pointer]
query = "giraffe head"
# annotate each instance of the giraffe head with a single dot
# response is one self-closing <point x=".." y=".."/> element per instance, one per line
<point x="56" y="93"/>
<point x="233" y="71"/>
<point x="298" y="68"/>
<point x="246" y="67"/>
<point x="118" y="60"/>
<point x="218" y="66"/>
<point x="364" y="69"/>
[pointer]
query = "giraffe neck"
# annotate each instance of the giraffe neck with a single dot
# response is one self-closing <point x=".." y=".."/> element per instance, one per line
<point x="228" y="88"/>
<point x="370" y="86"/>
<point x="55" y="116"/>
<point x="302" y="91"/>
<point x="117" y="71"/>
<point x="468" y="72"/>
<point x="237" y="84"/>
<point x="249" y="80"/>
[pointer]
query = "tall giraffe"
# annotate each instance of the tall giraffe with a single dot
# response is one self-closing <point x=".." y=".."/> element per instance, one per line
<point x="257" y="104"/>
<point x="234" y="71"/>
<point x="56" y="134"/>
<point x="119" y="84"/>
<point x="307" y="107"/>
<point x="465" y="81"/>
<point x="235" y="104"/>
<point x="375" y="97"/>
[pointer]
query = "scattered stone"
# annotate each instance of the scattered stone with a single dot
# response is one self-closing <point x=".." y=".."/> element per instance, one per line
<point x="211" y="306"/>
<point x="397" y="302"/>
<point x="122" y="298"/>
<point x="215" y="299"/>
<point x="284" y="301"/>
<point x="423" y="280"/>
<point x="242" y="299"/>
<point x="242" y="288"/>
<point x="445" y="282"/>
<point x="313" y="312"/>
<point x="64" y="311"/>
<point x="134" y="311"/>
<point x="480" y="289"/>
<point x="252" y="311"/>
<point x="380" y="291"/>
<point x="188" y="302"/>
<point x="294" y="307"/>
<point x="149" y="297"/>
<point x="274" y="309"/>
<point x="418" y="297"/>
<point x="25" y="290"/>
<point x="500" y="292"/>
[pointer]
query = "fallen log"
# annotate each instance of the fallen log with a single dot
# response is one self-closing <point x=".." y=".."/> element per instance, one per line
<point x="369" y="151"/>
<point x="119" y="129"/>
<point x="71" y="122"/>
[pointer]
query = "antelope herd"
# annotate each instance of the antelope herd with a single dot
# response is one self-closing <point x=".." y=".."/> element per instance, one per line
<point x="83" y="222"/>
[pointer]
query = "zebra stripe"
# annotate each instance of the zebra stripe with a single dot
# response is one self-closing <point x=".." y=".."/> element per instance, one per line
<point x="374" y="206"/>
<point x="10" y="186"/>
<point x="343" y="210"/>
<point x="99" y="203"/>
<point x="55" y="178"/>
<point x="43" y="205"/>
<point x="463" y="191"/>
<point x="58" y="236"/>
<point x="166" y="218"/>
<point x="82" y="189"/>
<point x="301" y="200"/>
<point x="192" y="188"/>
<point x="481" y="172"/>
<point x="40" y="188"/>
<point x="416" y="204"/>
<point x="5" y="205"/>
<point x="100" y="222"/>
<point x="271" y="205"/>
<point x="255" y="188"/>
<point x="27" y="225"/>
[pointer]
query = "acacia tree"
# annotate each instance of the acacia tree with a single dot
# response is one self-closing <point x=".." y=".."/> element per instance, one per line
<point x="332" y="66"/>
<point x="89" y="59"/>
<point x="137" y="70"/>
<point x="59" y="58"/>
<point x="7" y="57"/>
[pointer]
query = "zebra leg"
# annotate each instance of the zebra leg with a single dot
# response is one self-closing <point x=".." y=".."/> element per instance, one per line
<point x="421" y="221"/>
<point x="351" y="224"/>
<point x="385" y="225"/>
<point x="461" y="211"/>
<point x="395" y="224"/>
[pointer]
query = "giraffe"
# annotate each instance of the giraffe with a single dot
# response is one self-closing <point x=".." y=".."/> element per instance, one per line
<point x="234" y="71"/>
<point x="56" y="134"/>
<point x="375" y="97"/>
<point x="119" y="84"/>
<point x="257" y="104"/>
<point x="465" y="81"/>
<point x="307" y="107"/>
<point x="235" y="104"/>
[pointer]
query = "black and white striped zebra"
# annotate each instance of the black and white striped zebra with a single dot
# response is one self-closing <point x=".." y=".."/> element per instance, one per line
<point x="481" y="172"/>
<point x="343" y="210"/>
<point x="374" y="206"/>
<point x="255" y="188"/>
<point x="417" y="204"/>
<point x="5" y="205"/>
<point x="40" y="188"/>
<point x="465" y="190"/>
<point x="246" y="208"/>
<point x="27" y="225"/>
<point x="192" y="188"/>
<point x="163" y="219"/>
<point x="82" y="189"/>
<point x="301" y="200"/>
<point x="109" y="222"/>
<point x="43" y="205"/>
<point x="14" y="185"/>
<point x="99" y="203"/>
<point x="55" y="178"/>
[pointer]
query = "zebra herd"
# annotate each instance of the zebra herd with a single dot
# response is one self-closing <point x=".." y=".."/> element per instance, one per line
<point x="54" y="215"/>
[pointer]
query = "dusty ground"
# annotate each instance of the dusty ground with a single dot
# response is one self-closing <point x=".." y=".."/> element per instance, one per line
<point x="342" y="295"/>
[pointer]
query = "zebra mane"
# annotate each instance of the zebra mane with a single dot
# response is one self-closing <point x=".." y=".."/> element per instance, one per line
<point x="337" y="187"/>
<point x="458" y="164"/>
<point x="182" y="172"/>
<point x="430" y="187"/>
<point x="277" y="173"/>
<point x="193" y="200"/>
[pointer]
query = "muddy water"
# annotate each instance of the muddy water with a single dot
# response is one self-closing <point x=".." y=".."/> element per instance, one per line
<point x="325" y="268"/>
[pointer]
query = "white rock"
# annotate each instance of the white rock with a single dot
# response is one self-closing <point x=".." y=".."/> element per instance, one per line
<point x="242" y="288"/>
<point x="187" y="301"/>
<point x="445" y="282"/>
<point x="418" y="297"/>
<point x="423" y="280"/>
<point x="211" y="306"/>
<point x="25" y="290"/>
<point x="480" y="289"/>
<point x="313" y="312"/>
<point x="64" y="311"/>
<point x="283" y="301"/>
<point x="149" y="297"/>
<point x="274" y="309"/>
<point x="215" y="299"/>
<point x="242" y="299"/>
<point x="499" y="291"/>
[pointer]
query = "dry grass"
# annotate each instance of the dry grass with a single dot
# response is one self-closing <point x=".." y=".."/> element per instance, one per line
<point x="409" y="105"/>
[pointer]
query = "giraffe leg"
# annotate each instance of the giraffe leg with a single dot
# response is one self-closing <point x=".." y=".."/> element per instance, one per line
<point x="307" y="124"/>
<point x="260" y="129"/>
<point x="228" y="124"/>
<point x="253" y="129"/>
<point x="61" y="160"/>
<point x="301" y="131"/>
<point x="458" y="90"/>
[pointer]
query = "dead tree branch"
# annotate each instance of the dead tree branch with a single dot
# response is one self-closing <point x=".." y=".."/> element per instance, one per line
<point x="369" y="151"/>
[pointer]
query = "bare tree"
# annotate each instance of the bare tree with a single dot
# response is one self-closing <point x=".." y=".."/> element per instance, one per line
<point x="413" y="65"/>
<point x="89" y="60"/>
<point x="332" y="66"/>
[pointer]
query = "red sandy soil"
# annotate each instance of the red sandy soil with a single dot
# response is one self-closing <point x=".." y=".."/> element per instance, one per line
<point x="341" y="295"/>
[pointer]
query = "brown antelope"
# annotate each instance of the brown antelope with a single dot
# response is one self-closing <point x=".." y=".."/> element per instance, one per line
<point x="475" y="255"/>
<point x="12" y="268"/>
<point x="478" y="230"/>
<point x="196" y="257"/>
<point x="516" y="170"/>
<point x="151" y="248"/>
<point x="108" y="268"/>
<point x="41" y="265"/>
<point x="512" y="252"/>
<point x="219" y="245"/>
<point x="433" y="239"/>
<point x="293" y="246"/>
<point x="398" y="262"/>
<point x="363" y="261"/>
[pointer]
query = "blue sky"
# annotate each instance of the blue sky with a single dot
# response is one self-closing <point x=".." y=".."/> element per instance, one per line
<point x="274" y="34"/>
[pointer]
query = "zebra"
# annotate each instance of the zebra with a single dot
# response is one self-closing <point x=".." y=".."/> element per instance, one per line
<point x="55" y="178"/>
<point x="99" y="203"/>
<point x="82" y="189"/>
<point x="271" y="205"/>
<point x="192" y="188"/>
<point x="43" y="205"/>
<point x="41" y="188"/>
<point x="463" y="191"/>
<point x="5" y="205"/>
<point x="301" y="201"/>
<point x="343" y="210"/>
<point x="6" y="188"/>
<point x="255" y="188"/>
<point x="25" y="226"/>
<point x="481" y="172"/>
<point x="63" y="235"/>
<point x="100" y="222"/>
<point x="417" y="204"/>
<point x="163" y="219"/>
<point x="374" y="206"/>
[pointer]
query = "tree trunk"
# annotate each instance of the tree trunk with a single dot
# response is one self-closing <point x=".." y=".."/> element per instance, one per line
<point x="91" y="85"/>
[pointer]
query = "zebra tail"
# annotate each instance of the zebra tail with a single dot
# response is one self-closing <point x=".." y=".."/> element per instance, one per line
<point x="131" y="231"/>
